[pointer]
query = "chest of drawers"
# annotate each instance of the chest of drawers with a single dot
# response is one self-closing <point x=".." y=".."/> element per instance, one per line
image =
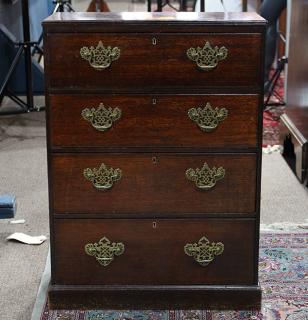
<point x="154" y="159"/>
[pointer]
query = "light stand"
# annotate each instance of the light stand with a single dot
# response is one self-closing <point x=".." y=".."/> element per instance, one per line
<point x="24" y="47"/>
<point x="183" y="5"/>
<point x="60" y="6"/>
<point x="273" y="81"/>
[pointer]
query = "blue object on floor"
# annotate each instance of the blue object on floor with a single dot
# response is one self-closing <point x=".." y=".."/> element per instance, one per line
<point x="7" y="206"/>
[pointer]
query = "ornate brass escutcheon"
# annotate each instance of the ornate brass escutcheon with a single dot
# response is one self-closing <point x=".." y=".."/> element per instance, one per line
<point x="207" y="118"/>
<point x="101" y="118"/>
<point x="207" y="58"/>
<point x="204" y="252"/>
<point x="104" y="251"/>
<point x="102" y="178"/>
<point x="205" y="178"/>
<point x="100" y="57"/>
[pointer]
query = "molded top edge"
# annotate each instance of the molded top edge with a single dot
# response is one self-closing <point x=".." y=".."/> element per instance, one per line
<point x="210" y="18"/>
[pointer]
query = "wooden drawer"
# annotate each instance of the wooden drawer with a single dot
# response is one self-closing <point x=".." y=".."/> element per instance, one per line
<point x="156" y="120"/>
<point x="153" y="251"/>
<point x="153" y="60"/>
<point x="152" y="183"/>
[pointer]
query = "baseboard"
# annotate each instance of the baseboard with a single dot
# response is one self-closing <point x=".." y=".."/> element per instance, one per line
<point x="154" y="297"/>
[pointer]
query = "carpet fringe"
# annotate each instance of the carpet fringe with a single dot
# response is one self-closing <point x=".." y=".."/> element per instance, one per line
<point x="285" y="227"/>
<point x="276" y="148"/>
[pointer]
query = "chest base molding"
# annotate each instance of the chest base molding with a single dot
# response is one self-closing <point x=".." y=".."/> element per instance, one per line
<point x="154" y="297"/>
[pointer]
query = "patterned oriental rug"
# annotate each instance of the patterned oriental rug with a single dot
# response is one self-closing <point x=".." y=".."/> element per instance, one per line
<point x="283" y="274"/>
<point x="271" y="116"/>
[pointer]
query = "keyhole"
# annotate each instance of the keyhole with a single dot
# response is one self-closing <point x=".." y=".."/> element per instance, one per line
<point x="154" y="225"/>
<point x="154" y="41"/>
<point x="154" y="101"/>
<point x="154" y="160"/>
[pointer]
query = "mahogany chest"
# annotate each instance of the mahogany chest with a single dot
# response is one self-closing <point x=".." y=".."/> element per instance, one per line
<point x="154" y="126"/>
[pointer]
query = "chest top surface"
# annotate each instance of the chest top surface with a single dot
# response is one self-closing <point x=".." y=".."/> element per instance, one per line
<point x="168" y="20"/>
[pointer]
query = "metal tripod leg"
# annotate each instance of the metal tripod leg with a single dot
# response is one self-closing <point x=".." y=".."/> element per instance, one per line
<point x="25" y="46"/>
<point x="28" y="58"/>
<point x="70" y="7"/>
<point x="202" y="6"/>
<point x="11" y="70"/>
<point x="281" y="64"/>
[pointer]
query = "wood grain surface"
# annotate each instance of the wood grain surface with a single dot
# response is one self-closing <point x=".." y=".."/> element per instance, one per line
<point x="153" y="184"/>
<point x="165" y="297"/>
<point x="142" y="64"/>
<point x="153" y="255"/>
<point x="154" y="209"/>
<point x="153" y="120"/>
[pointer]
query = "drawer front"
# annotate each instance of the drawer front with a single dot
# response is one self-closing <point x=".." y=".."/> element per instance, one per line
<point x="162" y="121"/>
<point x="153" y="251"/>
<point x="153" y="60"/>
<point x="153" y="183"/>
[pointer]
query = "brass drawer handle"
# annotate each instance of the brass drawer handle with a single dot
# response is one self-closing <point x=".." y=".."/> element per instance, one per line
<point x="100" y="57"/>
<point x="101" y="118"/>
<point x="102" y="178"/>
<point x="207" y="118"/>
<point x="205" y="178"/>
<point x="104" y="251"/>
<point x="207" y="58"/>
<point x="204" y="252"/>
